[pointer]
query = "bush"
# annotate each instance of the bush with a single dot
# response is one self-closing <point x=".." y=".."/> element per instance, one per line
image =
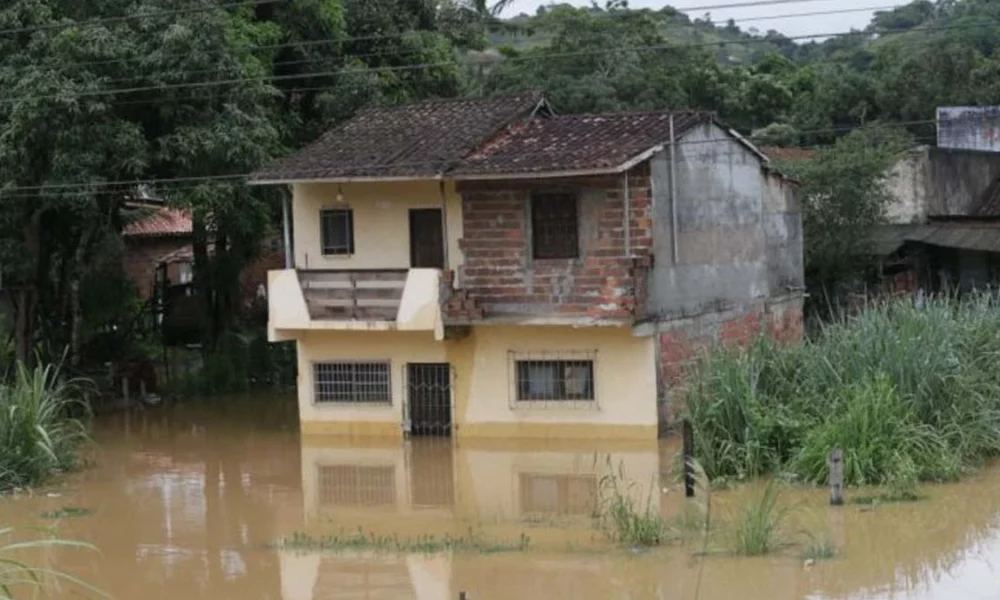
<point x="39" y="435"/>
<point x="906" y="392"/>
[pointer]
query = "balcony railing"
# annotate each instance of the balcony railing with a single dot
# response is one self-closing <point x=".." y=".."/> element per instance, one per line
<point x="364" y="295"/>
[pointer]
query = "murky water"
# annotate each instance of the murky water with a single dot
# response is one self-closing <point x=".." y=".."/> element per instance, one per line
<point x="185" y="502"/>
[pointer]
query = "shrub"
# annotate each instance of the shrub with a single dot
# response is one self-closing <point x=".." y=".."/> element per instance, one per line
<point x="902" y="389"/>
<point x="624" y="518"/>
<point x="38" y="434"/>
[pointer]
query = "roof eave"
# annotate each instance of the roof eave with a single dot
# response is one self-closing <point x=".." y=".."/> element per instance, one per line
<point x="373" y="179"/>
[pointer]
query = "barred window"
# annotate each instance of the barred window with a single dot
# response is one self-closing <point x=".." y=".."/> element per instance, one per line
<point x="554" y="230"/>
<point x="353" y="382"/>
<point x="337" y="231"/>
<point x="559" y="380"/>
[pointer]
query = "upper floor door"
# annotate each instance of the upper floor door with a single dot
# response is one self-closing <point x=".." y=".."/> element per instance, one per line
<point x="426" y="239"/>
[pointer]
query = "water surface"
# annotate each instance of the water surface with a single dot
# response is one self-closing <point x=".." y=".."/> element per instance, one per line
<point x="186" y="503"/>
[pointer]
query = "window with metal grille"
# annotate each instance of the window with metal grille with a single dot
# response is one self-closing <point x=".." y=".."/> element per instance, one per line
<point x="337" y="231"/>
<point x="554" y="229"/>
<point x="556" y="380"/>
<point x="353" y="382"/>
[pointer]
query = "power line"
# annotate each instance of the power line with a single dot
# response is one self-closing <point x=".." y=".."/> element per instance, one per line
<point x="80" y="188"/>
<point x="429" y="65"/>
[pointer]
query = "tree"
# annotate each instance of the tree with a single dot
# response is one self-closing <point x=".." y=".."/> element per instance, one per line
<point x="844" y="196"/>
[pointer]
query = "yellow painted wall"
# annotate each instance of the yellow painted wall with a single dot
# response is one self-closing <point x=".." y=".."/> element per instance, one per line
<point x="624" y="380"/>
<point x="381" y="222"/>
<point x="399" y="347"/>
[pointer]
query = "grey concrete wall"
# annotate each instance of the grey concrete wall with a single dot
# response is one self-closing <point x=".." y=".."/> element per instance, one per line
<point x="722" y="249"/>
<point x="956" y="180"/>
<point x="783" y="235"/>
<point x="907" y="182"/>
<point x="969" y="128"/>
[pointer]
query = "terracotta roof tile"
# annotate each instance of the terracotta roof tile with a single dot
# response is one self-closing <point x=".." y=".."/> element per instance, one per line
<point x="575" y="142"/>
<point x="415" y="140"/>
<point x="163" y="222"/>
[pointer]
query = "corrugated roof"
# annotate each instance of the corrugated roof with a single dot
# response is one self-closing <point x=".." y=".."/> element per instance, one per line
<point x="415" y="140"/>
<point x="162" y="222"/>
<point x="984" y="237"/>
<point x="575" y="143"/>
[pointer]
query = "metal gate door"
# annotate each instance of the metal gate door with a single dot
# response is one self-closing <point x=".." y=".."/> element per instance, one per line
<point x="428" y="398"/>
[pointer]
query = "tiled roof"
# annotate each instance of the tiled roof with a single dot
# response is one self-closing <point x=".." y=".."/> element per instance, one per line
<point x="575" y="143"/>
<point x="778" y="153"/>
<point x="162" y="222"/>
<point x="415" y="140"/>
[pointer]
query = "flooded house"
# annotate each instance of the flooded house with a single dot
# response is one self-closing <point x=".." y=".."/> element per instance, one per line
<point x="489" y="268"/>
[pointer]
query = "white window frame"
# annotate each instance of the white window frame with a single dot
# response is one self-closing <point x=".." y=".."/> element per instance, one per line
<point x="386" y="403"/>
<point x="514" y="383"/>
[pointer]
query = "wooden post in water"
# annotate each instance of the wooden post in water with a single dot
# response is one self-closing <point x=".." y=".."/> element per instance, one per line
<point x="125" y="388"/>
<point x="687" y="451"/>
<point x="142" y="390"/>
<point x="463" y="596"/>
<point x="837" y="477"/>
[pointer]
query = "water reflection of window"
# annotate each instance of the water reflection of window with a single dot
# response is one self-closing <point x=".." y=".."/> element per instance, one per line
<point x="356" y="485"/>
<point x="558" y="494"/>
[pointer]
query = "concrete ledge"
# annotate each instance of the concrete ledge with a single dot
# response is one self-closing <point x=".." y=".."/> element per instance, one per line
<point x="556" y="431"/>
<point x="375" y="429"/>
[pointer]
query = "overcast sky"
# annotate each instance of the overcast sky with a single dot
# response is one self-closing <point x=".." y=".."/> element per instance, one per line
<point x="748" y="17"/>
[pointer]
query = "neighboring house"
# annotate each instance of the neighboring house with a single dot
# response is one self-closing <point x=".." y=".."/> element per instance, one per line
<point x="944" y="234"/>
<point x="157" y="235"/>
<point x="488" y="268"/>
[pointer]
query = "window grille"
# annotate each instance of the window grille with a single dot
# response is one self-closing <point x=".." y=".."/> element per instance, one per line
<point x="553" y="379"/>
<point x="356" y="485"/>
<point x="337" y="231"/>
<point x="352" y="383"/>
<point x="554" y="229"/>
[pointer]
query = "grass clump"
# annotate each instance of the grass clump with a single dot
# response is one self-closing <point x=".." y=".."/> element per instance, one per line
<point x="39" y="432"/>
<point x="67" y="512"/>
<point x="819" y="547"/>
<point x="623" y="517"/>
<point x="908" y="393"/>
<point x="758" y="526"/>
<point x="428" y="544"/>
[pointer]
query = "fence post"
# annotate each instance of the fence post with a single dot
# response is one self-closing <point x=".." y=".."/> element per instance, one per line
<point x="687" y="451"/>
<point x="836" y="477"/>
<point x="463" y="596"/>
<point x="125" y="388"/>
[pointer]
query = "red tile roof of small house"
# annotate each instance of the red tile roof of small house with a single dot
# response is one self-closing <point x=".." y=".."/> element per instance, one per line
<point x="791" y="153"/>
<point x="162" y="222"/>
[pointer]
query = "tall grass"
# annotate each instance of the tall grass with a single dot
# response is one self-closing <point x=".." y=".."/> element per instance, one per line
<point x="905" y="391"/>
<point x="758" y="525"/>
<point x="40" y="427"/>
<point x="623" y="515"/>
<point x="18" y="575"/>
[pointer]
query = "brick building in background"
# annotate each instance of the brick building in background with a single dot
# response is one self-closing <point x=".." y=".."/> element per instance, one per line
<point x="488" y="268"/>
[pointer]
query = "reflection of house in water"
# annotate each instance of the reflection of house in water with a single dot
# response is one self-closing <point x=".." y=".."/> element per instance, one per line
<point x="432" y="487"/>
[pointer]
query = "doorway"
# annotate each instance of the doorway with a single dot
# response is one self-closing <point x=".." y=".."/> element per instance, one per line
<point x="426" y="238"/>
<point x="428" y="398"/>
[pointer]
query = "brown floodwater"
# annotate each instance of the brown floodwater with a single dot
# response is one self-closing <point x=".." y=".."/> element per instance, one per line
<point x="186" y="502"/>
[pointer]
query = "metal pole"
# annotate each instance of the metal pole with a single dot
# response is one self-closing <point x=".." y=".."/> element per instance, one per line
<point x="286" y="226"/>
<point x="673" y="189"/>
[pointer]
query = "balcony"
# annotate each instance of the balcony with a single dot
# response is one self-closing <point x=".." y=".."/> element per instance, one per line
<point x="353" y="300"/>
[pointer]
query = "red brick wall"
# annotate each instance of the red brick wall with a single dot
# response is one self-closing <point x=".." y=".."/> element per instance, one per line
<point x="500" y="276"/>
<point x="683" y="343"/>
<point x="143" y="254"/>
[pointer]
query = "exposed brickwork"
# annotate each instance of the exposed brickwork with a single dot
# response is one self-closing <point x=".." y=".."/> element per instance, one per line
<point x="142" y="255"/>
<point x="500" y="276"/>
<point x="683" y="343"/>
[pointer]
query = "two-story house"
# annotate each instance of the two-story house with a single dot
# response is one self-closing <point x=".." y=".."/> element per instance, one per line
<point x="487" y="268"/>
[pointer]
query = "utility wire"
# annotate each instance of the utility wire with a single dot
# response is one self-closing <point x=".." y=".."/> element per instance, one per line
<point x="429" y="65"/>
<point x="69" y="189"/>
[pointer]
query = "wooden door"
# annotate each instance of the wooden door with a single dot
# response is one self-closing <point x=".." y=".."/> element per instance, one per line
<point x="426" y="239"/>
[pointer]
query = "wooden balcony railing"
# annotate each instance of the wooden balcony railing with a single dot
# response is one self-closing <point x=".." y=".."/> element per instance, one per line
<point x="358" y="295"/>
